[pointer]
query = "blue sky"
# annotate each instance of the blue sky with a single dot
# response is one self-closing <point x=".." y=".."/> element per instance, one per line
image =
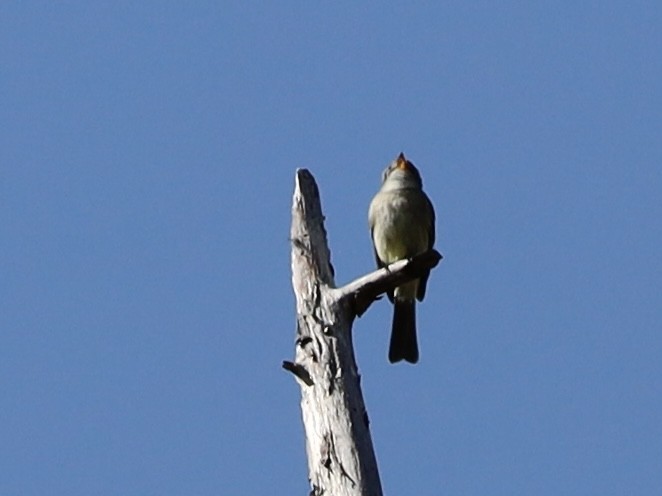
<point x="146" y="173"/>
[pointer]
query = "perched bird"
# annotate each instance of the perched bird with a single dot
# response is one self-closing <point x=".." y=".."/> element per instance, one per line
<point x="401" y="219"/>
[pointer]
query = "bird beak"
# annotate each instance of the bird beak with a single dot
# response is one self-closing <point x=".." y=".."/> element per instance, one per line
<point x="401" y="162"/>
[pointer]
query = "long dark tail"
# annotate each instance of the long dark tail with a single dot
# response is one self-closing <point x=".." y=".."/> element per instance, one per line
<point x="403" y="334"/>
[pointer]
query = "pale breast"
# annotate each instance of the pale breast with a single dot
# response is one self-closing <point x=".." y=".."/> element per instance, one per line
<point x="400" y="224"/>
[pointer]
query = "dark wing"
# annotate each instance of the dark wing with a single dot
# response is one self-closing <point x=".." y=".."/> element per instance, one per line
<point x="433" y="221"/>
<point x="423" y="281"/>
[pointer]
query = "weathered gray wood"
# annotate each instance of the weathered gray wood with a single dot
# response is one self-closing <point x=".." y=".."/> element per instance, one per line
<point x="341" y="459"/>
<point x="366" y="289"/>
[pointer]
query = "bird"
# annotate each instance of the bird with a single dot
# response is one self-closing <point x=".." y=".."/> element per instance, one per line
<point x="402" y="225"/>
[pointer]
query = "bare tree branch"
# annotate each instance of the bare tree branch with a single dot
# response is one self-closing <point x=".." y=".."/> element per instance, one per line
<point x="367" y="289"/>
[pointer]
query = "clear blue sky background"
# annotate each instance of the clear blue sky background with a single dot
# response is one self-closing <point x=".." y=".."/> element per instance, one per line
<point x="147" y="158"/>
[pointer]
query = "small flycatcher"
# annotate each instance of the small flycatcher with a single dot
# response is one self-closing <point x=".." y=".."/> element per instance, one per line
<point x="401" y="220"/>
